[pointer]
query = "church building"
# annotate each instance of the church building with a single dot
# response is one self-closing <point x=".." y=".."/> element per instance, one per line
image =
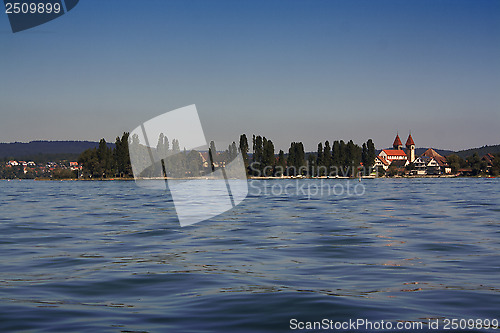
<point x="397" y="156"/>
<point x="429" y="163"/>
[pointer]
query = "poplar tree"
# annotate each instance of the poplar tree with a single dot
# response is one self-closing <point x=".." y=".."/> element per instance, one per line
<point x="319" y="155"/>
<point x="371" y="154"/>
<point x="244" y="149"/>
<point x="327" y="156"/>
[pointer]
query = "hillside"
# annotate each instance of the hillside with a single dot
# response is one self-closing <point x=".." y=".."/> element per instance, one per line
<point x="18" y="150"/>
<point x="495" y="149"/>
<point x="71" y="149"/>
<point x="442" y="152"/>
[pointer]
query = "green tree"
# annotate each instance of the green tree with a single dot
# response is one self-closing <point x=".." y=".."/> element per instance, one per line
<point x="336" y="154"/>
<point x="319" y="155"/>
<point x="349" y="157"/>
<point x="258" y="151"/>
<point x="257" y="148"/>
<point x="105" y="158"/>
<point x="194" y="163"/>
<point x="495" y="168"/>
<point x="90" y="163"/>
<point x="296" y="158"/>
<point x="268" y="160"/>
<point x="327" y="156"/>
<point x="342" y="154"/>
<point x="454" y="162"/>
<point x="312" y="165"/>
<point x="281" y="164"/>
<point x="476" y="164"/>
<point x="60" y="173"/>
<point x="371" y="154"/>
<point x="244" y="149"/>
<point x="392" y="171"/>
<point x="122" y="157"/>
<point x="364" y="155"/>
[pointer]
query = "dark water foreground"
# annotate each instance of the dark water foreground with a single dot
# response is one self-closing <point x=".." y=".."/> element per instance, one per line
<point x="109" y="256"/>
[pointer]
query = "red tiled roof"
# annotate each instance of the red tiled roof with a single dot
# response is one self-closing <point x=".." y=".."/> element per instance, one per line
<point x="383" y="160"/>
<point x="409" y="141"/>
<point x="394" y="152"/>
<point x="441" y="161"/>
<point x="488" y="158"/>
<point x="397" y="141"/>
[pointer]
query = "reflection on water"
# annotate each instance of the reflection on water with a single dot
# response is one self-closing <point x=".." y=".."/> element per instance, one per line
<point x="110" y="256"/>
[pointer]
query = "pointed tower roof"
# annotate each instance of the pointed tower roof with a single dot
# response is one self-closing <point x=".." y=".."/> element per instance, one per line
<point x="397" y="141"/>
<point x="409" y="141"/>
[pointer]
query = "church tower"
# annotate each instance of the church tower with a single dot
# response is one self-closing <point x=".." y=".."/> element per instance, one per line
<point x="410" y="148"/>
<point x="398" y="145"/>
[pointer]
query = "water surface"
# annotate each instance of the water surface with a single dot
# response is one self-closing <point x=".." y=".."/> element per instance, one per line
<point x="109" y="256"/>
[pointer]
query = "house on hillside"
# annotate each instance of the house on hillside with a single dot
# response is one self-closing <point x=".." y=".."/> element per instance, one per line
<point x="425" y="165"/>
<point x="489" y="159"/>
<point x="431" y="163"/>
<point x="444" y="167"/>
<point x="74" y="166"/>
<point x="420" y="166"/>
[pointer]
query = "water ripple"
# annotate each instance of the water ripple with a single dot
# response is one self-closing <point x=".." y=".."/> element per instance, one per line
<point x="109" y="256"/>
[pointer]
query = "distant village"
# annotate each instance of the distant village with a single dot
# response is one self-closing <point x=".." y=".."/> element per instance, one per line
<point x="30" y="169"/>
<point x="403" y="161"/>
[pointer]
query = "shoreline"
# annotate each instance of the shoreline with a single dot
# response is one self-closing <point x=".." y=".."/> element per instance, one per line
<point x="265" y="178"/>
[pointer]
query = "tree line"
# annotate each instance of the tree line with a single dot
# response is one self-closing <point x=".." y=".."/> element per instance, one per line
<point x="106" y="162"/>
<point x="475" y="165"/>
<point x="340" y="158"/>
<point x="330" y="159"/>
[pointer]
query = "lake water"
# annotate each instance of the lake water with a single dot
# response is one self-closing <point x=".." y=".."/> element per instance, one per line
<point x="111" y="257"/>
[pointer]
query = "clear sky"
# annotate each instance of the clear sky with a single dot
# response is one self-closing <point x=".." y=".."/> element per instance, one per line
<point x="291" y="70"/>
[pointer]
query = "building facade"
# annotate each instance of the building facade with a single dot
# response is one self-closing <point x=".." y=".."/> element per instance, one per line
<point x="429" y="163"/>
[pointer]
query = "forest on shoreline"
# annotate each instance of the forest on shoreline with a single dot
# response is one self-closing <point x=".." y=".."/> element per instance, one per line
<point x="337" y="158"/>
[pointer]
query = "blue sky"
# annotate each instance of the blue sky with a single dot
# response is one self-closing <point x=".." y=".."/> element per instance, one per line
<point x="290" y="70"/>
